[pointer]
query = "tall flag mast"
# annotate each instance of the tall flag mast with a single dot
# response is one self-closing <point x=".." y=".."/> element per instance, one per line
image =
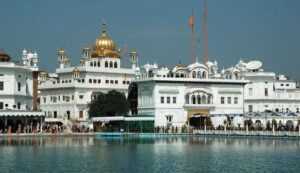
<point x="125" y="61"/>
<point x="205" y="58"/>
<point x="191" y="23"/>
<point x="125" y="53"/>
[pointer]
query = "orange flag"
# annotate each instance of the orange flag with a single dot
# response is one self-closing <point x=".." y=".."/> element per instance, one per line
<point x="191" y="20"/>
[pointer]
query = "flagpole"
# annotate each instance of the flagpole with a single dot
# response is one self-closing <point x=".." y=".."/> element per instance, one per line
<point x="205" y="58"/>
<point x="191" y="23"/>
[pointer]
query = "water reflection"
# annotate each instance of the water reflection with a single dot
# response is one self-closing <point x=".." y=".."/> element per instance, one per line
<point x="196" y="140"/>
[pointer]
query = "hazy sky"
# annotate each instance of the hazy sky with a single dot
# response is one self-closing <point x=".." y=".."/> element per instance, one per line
<point x="265" y="30"/>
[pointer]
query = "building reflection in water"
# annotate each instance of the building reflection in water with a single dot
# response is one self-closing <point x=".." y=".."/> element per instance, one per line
<point x="215" y="142"/>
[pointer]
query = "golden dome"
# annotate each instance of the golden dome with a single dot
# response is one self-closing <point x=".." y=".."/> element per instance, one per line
<point x="4" y="57"/>
<point x="61" y="52"/>
<point x="76" y="69"/>
<point x="133" y="53"/>
<point x="82" y="60"/>
<point x="85" y="49"/>
<point x="104" y="46"/>
<point x="43" y="74"/>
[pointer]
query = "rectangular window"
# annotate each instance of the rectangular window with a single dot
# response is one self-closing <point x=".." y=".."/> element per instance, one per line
<point x="68" y="114"/>
<point x="90" y="80"/>
<point x="236" y="101"/>
<point x="1" y="86"/>
<point x="1" y="105"/>
<point x="116" y="82"/>
<point x="266" y="92"/>
<point x="55" y="114"/>
<point x="250" y="108"/>
<point x="174" y="100"/>
<point x="282" y="84"/>
<point x="19" y="86"/>
<point x="107" y="81"/>
<point x="222" y="100"/>
<point x="82" y="80"/>
<point x="72" y="97"/>
<point x="95" y="81"/>
<point x="124" y="82"/>
<point x="168" y="100"/>
<point x="169" y="118"/>
<point x="287" y="84"/>
<point x="80" y="96"/>
<point x="80" y="114"/>
<point x="19" y="105"/>
<point x="162" y="100"/>
<point x="99" y="81"/>
<point x="229" y="100"/>
<point x="111" y="81"/>
<point x="250" y="91"/>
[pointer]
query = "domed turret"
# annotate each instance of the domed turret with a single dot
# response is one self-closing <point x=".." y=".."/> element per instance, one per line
<point x="104" y="46"/>
<point x="4" y="57"/>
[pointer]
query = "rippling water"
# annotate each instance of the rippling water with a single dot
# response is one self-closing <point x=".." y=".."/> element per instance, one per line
<point x="165" y="154"/>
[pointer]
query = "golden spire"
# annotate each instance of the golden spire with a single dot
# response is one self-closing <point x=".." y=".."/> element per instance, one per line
<point x="104" y="46"/>
<point x="103" y="26"/>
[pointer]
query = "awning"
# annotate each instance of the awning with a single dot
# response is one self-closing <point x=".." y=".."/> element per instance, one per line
<point x="23" y="113"/>
<point x="198" y="116"/>
<point x="121" y="118"/>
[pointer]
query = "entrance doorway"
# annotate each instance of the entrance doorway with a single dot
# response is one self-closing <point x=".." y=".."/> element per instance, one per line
<point x="199" y="121"/>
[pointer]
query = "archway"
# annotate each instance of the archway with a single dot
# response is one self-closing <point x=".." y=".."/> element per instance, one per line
<point x="199" y="121"/>
<point x="10" y="126"/>
<point x="289" y="125"/>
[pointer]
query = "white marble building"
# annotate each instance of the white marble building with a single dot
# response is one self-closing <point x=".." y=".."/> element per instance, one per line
<point x="174" y="96"/>
<point x="67" y="92"/>
<point x="16" y="81"/>
<point x="266" y="90"/>
<point x="18" y="92"/>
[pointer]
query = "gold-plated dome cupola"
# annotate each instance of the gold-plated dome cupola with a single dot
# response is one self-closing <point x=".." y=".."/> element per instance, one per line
<point x="104" y="46"/>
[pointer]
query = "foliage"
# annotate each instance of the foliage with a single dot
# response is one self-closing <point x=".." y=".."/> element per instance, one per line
<point x="113" y="103"/>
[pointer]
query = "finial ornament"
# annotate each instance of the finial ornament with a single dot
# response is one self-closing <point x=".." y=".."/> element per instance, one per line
<point x="103" y="26"/>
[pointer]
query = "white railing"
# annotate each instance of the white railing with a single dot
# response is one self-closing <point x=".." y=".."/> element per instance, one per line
<point x="248" y="133"/>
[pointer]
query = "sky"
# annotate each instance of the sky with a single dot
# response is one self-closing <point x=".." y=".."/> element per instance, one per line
<point x="264" y="30"/>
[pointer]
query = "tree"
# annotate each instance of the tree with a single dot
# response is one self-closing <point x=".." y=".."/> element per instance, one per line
<point x="112" y="103"/>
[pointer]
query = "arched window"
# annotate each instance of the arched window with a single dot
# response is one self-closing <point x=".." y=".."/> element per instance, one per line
<point x="115" y="65"/>
<point x="111" y="64"/>
<point x="95" y="64"/>
<point x="182" y="75"/>
<point x="204" y="99"/>
<point x="194" y="74"/>
<point x="204" y="75"/>
<point x="199" y="99"/>
<point x="194" y="99"/>
<point x="98" y="63"/>
<point x="199" y="74"/>
<point x="91" y="64"/>
<point x="106" y="64"/>
<point x="236" y="75"/>
<point x="209" y="98"/>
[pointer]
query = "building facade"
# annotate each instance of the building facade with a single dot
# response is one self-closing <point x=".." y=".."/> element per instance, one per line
<point x="266" y="91"/>
<point x="18" y="92"/>
<point x="178" y="96"/>
<point x="67" y="93"/>
<point x="187" y="95"/>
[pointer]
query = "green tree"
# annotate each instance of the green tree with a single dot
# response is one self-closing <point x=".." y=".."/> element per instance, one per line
<point x="112" y="103"/>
